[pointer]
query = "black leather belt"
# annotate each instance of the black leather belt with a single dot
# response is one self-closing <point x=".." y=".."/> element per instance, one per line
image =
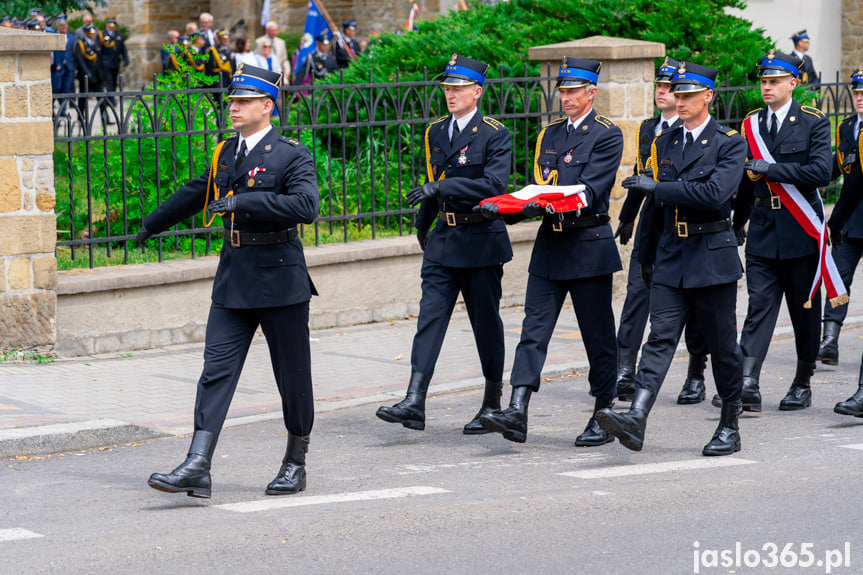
<point x="773" y="202"/>
<point x="454" y="219"/>
<point x="240" y="239"/>
<point x="686" y="229"/>
<point x="560" y="221"/>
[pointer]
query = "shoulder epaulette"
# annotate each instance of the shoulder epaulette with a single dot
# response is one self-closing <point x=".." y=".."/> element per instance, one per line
<point x="558" y="121"/>
<point x="813" y="111"/>
<point x="604" y="121"/>
<point x="492" y="122"/>
<point x="725" y="130"/>
<point x="234" y="135"/>
<point x="290" y="141"/>
<point x="755" y="111"/>
<point x="441" y="119"/>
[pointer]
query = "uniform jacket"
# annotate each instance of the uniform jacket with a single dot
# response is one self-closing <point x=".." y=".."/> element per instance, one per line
<point x="589" y="156"/>
<point x="847" y="214"/>
<point x="697" y="190"/>
<point x="113" y="50"/>
<point x="646" y="135"/>
<point x="87" y="63"/>
<point x="802" y="154"/>
<point x="280" y="195"/>
<point x="219" y="63"/>
<point x="343" y="59"/>
<point x="808" y="74"/>
<point x="473" y="167"/>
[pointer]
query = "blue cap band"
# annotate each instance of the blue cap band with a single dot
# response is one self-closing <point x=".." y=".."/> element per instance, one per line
<point x="241" y="81"/>
<point x="666" y="71"/>
<point x="803" y="37"/>
<point x="782" y="64"/>
<point x="694" y="78"/>
<point x="576" y="73"/>
<point x="467" y="72"/>
<point x="857" y="78"/>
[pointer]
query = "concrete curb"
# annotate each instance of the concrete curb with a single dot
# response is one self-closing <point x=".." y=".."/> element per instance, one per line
<point x="64" y="437"/>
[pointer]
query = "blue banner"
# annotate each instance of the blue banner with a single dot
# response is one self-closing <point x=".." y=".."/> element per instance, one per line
<point x="315" y="25"/>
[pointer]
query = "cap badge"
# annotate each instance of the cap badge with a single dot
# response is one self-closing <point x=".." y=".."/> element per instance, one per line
<point x="770" y="54"/>
<point x="682" y="69"/>
<point x="452" y="60"/>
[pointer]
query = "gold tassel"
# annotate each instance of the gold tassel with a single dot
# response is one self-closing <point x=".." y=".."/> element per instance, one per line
<point x="840" y="300"/>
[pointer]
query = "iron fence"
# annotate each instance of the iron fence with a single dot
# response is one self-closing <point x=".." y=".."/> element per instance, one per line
<point x="119" y="154"/>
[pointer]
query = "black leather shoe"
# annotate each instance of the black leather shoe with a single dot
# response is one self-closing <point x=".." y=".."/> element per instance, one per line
<point x="799" y="395"/>
<point x="292" y="475"/>
<point x="490" y="404"/>
<point x="512" y="421"/>
<point x="726" y="439"/>
<point x="628" y="427"/>
<point x="828" y="349"/>
<point x="191" y="477"/>
<point x="411" y="411"/>
<point x="694" y="390"/>
<point x="626" y="373"/>
<point x="750" y="395"/>
<point x="593" y="435"/>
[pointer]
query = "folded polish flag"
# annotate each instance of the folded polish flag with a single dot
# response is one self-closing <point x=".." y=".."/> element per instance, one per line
<point x="559" y="198"/>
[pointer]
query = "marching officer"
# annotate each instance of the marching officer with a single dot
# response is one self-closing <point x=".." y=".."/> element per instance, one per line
<point x="636" y="306"/>
<point x="349" y="34"/>
<point x="468" y="158"/>
<point x="219" y="59"/>
<point x="574" y="252"/>
<point x="87" y="66"/>
<point x="176" y="51"/>
<point x="790" y="149"/>
<point x="264" y="185"/>
<point x="693" y="267"/>
<point x="807" y="75"/>
<point x="846" y="222"/>
<point x="113" y="51"/>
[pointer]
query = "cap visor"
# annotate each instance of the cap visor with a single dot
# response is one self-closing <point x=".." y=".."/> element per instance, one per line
<point x="688" y="88"/>
<point x="246" y="93"/>
<point x="456" y="81"/>
<point x="573" y="83"/>
<point x="773" y="72"/>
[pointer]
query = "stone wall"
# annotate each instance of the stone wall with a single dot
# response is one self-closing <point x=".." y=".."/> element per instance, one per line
<point x="852" y="37"/>
<point x="28" y="230"/>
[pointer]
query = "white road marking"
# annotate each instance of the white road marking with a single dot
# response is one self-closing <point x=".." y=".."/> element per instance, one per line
<point x="299" y="501"/>
<point x="854" y="446"/>
<point x="18" y="533"/>
<point x="644" y="468"/>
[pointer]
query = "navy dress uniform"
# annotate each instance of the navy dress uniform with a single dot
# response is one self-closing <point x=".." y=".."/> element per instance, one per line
<point x="88" y="68"/>
<point x="220" y="61"/>
<point x="636" y="306"/>
<point x="808" y="74"/>
<point x="266" y="190"/>
<point x="574" y="254"/>
<point x="464" y="253"/>
<point x="781" y="258"/>
<point x="343" y="59"/>
<point x="113" y="54"/>
<point x="697" y="169"/>
<point x="846" y="221"/>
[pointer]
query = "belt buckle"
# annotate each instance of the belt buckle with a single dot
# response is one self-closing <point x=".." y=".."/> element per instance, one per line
<point x="450" y="218"/>
<point x="682" y="229"/>
<point x="775" y="203"/>
<point x="235" y="238"/>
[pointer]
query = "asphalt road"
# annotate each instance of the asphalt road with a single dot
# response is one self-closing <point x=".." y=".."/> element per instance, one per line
<point x="382" y="498"/>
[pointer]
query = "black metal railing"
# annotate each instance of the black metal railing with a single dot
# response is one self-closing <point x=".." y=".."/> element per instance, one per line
<point x="119" y="154"/>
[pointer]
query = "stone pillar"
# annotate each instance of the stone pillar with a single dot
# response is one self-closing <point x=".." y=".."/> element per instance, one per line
<point x="852" y="38"/>
<point x="28" y="228"/>
<point x="625" y="95"/>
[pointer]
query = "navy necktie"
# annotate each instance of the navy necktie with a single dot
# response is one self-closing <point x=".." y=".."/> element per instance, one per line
<point x="455" y="131"/>
<point x="687" y="147"/>
<point x="241" y="155"/>
<point x="773" y="127"/>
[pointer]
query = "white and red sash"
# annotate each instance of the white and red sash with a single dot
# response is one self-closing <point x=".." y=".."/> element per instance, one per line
<point x="807" y="218"/>
<point x="553" y="198"/>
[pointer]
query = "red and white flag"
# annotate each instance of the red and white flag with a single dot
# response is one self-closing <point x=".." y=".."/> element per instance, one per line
<point x="806" y="216"/>
<point x="553" y="198"/>
<point x="413" y="16"/>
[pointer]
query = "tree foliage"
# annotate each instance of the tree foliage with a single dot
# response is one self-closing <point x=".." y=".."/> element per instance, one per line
<point x="21" y="8"/>
<point x="698" y="31"/>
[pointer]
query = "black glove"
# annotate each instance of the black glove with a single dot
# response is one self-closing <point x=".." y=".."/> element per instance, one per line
<point x="647" y="274"/>
<point x="640" y="183"/>
<point x="835" y="238"/>
<point x="740" y="234"/>
<point x="142" y="236"/>
<point x="427" y="190"/>
<point x="757" y="166"/>
<point x="533" y="209"/>
<point x="488" y="210"/>
<point x="624" y="232"/>
<point x="423" y="238"/>
<point x="222" y="205"/>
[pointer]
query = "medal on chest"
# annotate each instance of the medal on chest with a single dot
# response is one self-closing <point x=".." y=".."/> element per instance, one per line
<point x="462" y="157"/>
<point x="568" y="157"/>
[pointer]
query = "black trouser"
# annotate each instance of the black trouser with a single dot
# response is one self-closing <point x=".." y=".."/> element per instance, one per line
<point x="766" y="280"/>
<point x="591" y="300"/>
<point x="714" y="308"/>
<point x="229" y="334"/>
<point x="847" y="257"/>
<point x="481" y="290"/>
<point x="636" y="310"/>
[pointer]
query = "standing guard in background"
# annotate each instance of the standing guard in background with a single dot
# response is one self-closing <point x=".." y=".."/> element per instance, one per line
<point x="87" y="66"/>
<point x="807" y="74"/>
<point x="574" y="253"/>
<point x="264" y="185"/>
<point x="846" y="221"/>
<point x="690" y="262"/>
<point x="196" y="54"/>
<point x="113" y="52"/>
<point x="636" y="306"/>
<point x="785" y="252"/>
<point x="468" y="158"/>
